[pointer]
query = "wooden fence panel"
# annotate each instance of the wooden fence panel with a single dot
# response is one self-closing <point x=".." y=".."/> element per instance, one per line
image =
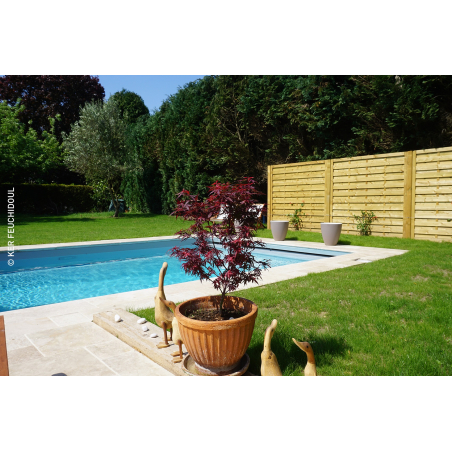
<point x="294" y="184"/>
<point x="433" y="195"/>
<point x="370" y="183"/>
<point x="410" y="192"/>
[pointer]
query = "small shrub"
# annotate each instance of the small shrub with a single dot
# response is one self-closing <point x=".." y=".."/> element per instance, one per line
<point x="100" y="196"/>
<point x="296" y="218"/>
<point x="364" y="221"/>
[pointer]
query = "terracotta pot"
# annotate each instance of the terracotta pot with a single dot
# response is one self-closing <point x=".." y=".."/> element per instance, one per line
<point x="216" y="347"/>
<point x="331" y="233"/>
<point x="279" y="229"/>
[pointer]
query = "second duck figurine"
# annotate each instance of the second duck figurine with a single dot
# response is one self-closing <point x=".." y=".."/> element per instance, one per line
<point x="177" y="338"/>
<point x="310" y="370"/>
<point x="269" y="366"/>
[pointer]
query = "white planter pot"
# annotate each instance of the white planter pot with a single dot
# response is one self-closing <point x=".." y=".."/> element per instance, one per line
<point x="279" y="229"/>
<point x="331" y="233"/>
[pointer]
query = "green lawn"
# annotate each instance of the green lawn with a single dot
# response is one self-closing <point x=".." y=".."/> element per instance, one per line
<point x="390" y="317"/>
<point x="78" y="227"/>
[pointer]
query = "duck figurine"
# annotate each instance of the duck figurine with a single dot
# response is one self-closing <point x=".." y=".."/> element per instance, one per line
<point x="163" y="315"/>
<point x="269" y="366"/>
<point x="177" y="338"/>
<point x="310" y="369"/>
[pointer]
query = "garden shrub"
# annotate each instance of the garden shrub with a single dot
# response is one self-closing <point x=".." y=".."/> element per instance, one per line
<point x="100" y="195"/>
<point x="296" y="218"/>
<point x="364" y="222"/>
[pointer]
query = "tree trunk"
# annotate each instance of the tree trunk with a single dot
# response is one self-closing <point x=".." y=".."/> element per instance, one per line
<point x="115" y="201"/>
<point x="221" y="302"/>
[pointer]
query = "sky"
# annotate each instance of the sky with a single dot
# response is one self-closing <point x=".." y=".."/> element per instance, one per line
<point x="154" y="89"/>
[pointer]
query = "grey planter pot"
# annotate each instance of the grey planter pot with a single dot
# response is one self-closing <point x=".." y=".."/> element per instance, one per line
<point x="331" y="233"/>
<point x="279" y="229"/>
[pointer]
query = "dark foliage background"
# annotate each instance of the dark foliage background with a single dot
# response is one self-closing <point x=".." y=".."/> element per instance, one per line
<point x="49" y="199"/>
<point x="46" y="96"/>
<point x="226" y="127"/>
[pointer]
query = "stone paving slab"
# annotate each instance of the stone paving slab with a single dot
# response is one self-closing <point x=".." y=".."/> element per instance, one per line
<point x="67" y="307"/>
<point x="136" y="364"/>
<point x="23" y="354"/>
<point x="72" y="363"/>
<point x="70" y="319"/>
<point x="29" y="326"/>
<point x="111" y="357"/>
<point x="15" y="341"/>
<point x="109" y="349"/>
<point x="58" y="340"/>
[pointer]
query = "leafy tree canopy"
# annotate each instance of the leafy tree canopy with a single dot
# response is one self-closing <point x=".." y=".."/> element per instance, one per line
<point x="96" y="147"/>
<point x="23" y="156"/>
<point x="131" y="105"/>
<point x="45" y="96"/>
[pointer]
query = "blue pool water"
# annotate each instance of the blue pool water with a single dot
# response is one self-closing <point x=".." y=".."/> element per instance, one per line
<point x="54" y="275"/>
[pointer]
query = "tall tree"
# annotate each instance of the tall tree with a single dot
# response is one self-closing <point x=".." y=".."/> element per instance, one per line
<point x="139" y="186"/>
<point x="46" y="96"/>
<point x="24" y="157"/>
<point x="142" y="186"/>
<point x="131" y="105"/>
<point x="177" y="139"/>
<point x="96" y="147"/>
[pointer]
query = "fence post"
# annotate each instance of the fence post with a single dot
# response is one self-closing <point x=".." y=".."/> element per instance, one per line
<point x="413" y="194"/>
<point x="328" y="193"/>
<point x="407" y="194"/>
<point x="269" y="195"/>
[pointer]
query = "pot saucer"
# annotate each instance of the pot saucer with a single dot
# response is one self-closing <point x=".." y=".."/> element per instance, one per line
<point x="189" y="367"/>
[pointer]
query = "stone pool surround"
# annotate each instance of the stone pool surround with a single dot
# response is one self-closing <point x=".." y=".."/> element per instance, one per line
<point x="61" y="338"/>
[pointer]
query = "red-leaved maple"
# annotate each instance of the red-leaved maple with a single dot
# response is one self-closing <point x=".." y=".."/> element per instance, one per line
<point x="222" y="251"/>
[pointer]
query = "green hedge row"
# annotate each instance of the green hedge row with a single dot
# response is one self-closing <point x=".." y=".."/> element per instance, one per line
<point x="48" y="199"/>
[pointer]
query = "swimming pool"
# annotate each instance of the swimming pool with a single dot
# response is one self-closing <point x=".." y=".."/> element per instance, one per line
<point x="54" y="275"/>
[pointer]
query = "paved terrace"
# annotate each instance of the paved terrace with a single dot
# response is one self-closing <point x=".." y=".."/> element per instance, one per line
<point x="61" y="338"/>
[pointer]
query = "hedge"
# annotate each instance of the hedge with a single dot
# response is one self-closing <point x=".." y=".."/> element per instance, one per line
<point x="48" y="198"/>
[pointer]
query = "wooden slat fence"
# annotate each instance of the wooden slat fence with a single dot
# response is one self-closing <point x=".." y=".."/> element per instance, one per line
<point x="410" y="193"/>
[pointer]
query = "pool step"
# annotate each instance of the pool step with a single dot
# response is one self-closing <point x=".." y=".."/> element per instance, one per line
<point x="130" y="332"/>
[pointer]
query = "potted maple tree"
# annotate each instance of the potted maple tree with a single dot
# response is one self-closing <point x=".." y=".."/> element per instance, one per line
<point x="217" y="330"/>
